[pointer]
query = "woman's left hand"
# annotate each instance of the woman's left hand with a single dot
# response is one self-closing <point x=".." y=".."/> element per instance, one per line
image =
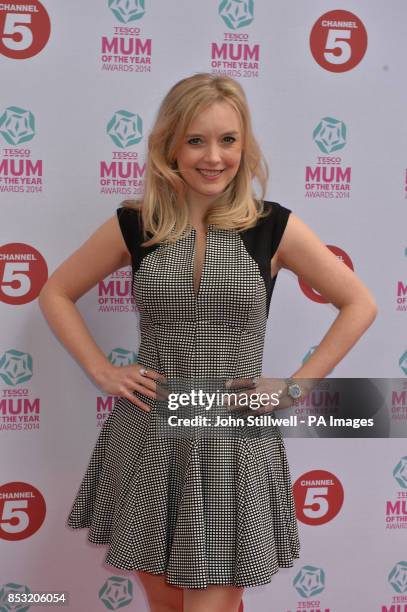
<point x="259" y="394"/>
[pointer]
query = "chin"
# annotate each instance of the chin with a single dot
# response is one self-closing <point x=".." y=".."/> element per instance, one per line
<point x="210" y="192"/>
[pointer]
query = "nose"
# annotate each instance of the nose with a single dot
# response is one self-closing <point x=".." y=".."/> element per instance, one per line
<point x="212" y="153"/>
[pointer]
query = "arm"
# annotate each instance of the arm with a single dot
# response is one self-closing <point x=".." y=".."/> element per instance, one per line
<point x="104" y="252"/>
<point x="302" y="252"/>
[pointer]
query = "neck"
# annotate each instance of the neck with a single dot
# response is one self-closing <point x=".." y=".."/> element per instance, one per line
<point x="198" y="207"/>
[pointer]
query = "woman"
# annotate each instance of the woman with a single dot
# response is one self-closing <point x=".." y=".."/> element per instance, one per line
<point x="198" y="519"/>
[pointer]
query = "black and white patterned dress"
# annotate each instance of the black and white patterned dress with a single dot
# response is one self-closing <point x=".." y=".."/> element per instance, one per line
<point x="199" y="509"/>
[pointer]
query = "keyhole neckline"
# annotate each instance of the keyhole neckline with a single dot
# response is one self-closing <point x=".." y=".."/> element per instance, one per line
<point x="209" y="229"/>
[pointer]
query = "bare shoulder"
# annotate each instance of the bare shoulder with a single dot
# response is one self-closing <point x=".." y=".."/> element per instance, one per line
<point x="103" y="253"/>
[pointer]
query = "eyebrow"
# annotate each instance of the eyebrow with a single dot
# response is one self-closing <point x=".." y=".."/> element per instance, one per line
<point x="230" y="133"/>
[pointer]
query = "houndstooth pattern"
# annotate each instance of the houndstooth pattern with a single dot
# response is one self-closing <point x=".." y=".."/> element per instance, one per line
<point x="198" y="510"/>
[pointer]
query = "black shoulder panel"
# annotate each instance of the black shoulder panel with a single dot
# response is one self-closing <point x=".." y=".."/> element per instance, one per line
<point x="130" y="222"/>
<point x="262" y="240"/>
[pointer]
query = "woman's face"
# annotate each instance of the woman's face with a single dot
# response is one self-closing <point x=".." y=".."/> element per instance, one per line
<point x="210" y="153"/>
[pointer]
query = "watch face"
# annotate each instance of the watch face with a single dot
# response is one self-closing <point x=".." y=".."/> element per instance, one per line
<point x="294" y="391"/>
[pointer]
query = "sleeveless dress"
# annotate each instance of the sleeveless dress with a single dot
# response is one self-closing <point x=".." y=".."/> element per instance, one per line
<point x="199" y="509"/>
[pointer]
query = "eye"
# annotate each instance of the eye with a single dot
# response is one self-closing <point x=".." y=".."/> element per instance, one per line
<point x="193" y="141"/>
<point x="190" y="141"/>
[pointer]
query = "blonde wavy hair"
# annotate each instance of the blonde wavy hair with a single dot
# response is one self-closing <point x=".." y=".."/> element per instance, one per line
<point x="163" y="207"/>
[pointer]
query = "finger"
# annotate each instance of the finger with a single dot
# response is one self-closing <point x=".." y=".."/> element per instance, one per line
<point x="147" y="387"/>
<point x="158" y="385"/>
<point x="264" y="409"/>
<point x="244" y="401"/>
<point x="144" y="381"/>
<point x="233" y="383"/>
<point x="232" y="400"/>
<point x="237" y="409"/>
<point x="137" y="402"/>
<point x="162" y="393"/>
<point x="233" y="406"/>
<point x="152" y="374"/>
<point x="135" y="386"/>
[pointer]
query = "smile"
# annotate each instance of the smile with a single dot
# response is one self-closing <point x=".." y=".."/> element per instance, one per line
<point x="210" y="174"/>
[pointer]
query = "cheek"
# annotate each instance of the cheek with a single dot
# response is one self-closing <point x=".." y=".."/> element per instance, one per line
<point x="188" y="159"/>
<point x="233" y="159"/>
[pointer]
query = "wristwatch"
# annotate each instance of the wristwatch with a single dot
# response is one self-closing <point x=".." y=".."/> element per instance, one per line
<point x="293" y="389"/>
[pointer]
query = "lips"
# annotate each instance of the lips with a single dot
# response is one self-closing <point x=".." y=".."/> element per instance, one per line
<point x="209" y="173"/>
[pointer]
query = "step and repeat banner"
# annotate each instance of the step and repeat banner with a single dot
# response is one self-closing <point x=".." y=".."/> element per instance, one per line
<point x="81" y="83"/>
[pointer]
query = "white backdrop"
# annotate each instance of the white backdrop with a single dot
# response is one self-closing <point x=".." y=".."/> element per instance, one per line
<point x="331" y="124"/>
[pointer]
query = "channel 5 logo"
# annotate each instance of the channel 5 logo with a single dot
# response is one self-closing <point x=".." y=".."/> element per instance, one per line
<point x="25" y="29"/>
<point x="318" y="497"/>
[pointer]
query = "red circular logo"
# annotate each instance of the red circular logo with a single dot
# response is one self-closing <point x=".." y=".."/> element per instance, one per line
<point x="22" y="510"/>
<point x="309" y="291"/>
<point x="318" y="497"/>
<point x="23" y="272"/>
<point x="25" y="28"/>
<point x="338" y="41"/>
